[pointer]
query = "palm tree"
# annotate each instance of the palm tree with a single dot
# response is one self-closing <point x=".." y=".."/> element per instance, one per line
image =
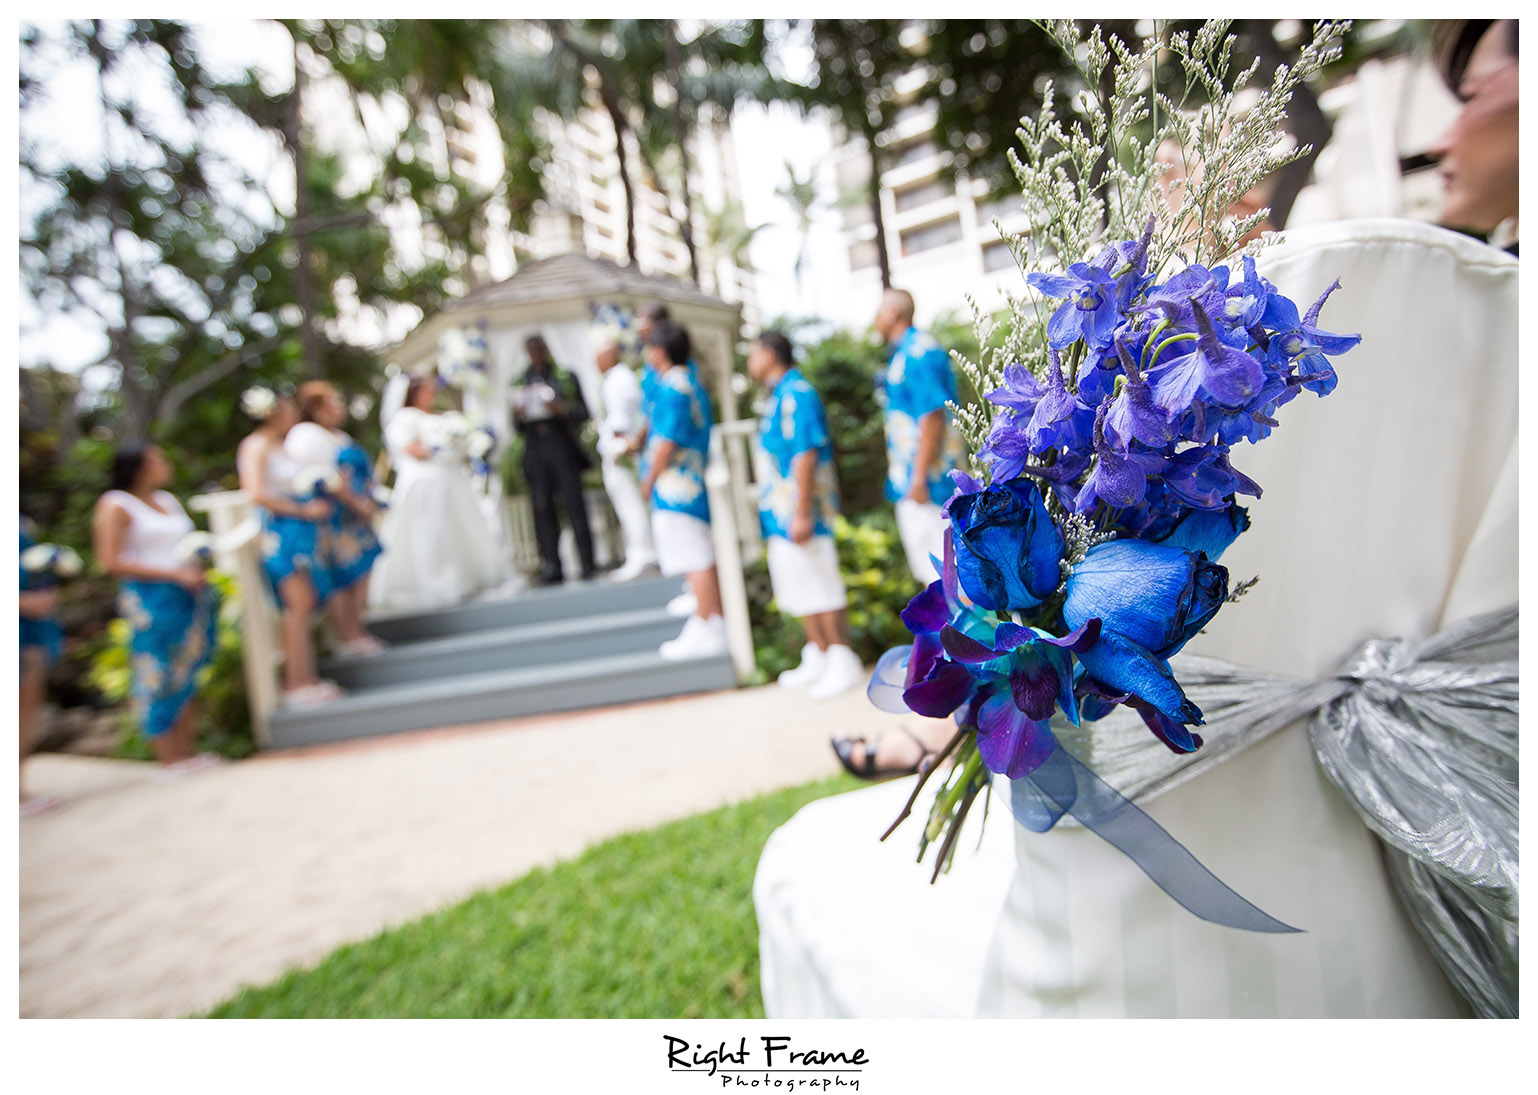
<point x="801" y="194"/>
<point x="728" y="235"/>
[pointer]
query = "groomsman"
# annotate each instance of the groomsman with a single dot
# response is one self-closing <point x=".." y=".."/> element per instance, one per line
<point x="548" y="410"/>
<point x="647" y="317"/>
<point x="620" y="420"/>
<point x="677" y="449"/>
<point x="797" y="502"/>
<point x="916" y="386"/>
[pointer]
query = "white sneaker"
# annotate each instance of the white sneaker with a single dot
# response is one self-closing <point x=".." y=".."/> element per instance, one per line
<point x="683" y="605"/>
<point x="699" y="639"/>
<point x="631" y="570"/>
<point x="842" y="671"/>
<point x="813" y="661"/>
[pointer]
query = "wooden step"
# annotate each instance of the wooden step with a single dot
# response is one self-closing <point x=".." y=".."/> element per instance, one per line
<point x="508" y="693"/>
<point x="554" y="642"/>
<point x="551" y="603"/>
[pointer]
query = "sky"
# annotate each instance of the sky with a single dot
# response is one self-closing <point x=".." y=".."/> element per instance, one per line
<point x="764" y="139"/>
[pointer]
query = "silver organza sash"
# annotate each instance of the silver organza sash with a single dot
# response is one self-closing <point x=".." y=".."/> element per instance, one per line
<point x="1421" y="736"/>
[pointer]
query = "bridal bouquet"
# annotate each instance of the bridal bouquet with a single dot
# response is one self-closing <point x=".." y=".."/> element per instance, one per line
<point x="462" y="358"/>
<point x="196" y="547"/>
<point x="1084" y="551"/>
<point x="479" y="444"/>
<point x="52" y="561"/>
<point x="313" y="480"/>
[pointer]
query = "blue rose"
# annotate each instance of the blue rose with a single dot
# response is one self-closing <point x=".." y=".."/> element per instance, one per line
<point x="1150" y="599"/>
<point x="1008" y="548"/>
<point x="1208" y="531"/>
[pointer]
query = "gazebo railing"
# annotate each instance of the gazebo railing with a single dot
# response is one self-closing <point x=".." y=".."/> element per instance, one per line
<point x="237" y="533"/>
<point x="734" y="526"/>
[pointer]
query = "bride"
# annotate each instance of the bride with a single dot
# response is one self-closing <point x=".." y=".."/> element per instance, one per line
<point x="439" y="550"/>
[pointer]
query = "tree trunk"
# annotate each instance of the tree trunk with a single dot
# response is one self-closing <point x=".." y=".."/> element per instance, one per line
<point x="132" y="383"/>
<point x="304" y="272"/>
<point x="617" y="119"/>
<point x="1306" y="121"/>
<point x="873" y="192"/>
<point x="686" y="227"/>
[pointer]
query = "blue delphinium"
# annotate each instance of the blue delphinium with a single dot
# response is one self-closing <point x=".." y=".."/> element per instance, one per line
<point x="1127" y="429"/>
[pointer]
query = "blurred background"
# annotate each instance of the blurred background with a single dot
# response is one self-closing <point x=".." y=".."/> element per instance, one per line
<point x="208" y="204"/>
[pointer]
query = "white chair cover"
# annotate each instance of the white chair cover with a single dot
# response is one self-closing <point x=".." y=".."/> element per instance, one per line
<point x="1389" y="510"/>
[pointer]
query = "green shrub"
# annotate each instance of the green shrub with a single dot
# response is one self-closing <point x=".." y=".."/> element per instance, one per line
<point x="879" y="584"/>
<point x="224" y="715"/>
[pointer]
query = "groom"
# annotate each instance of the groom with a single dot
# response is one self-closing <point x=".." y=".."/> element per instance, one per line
<point x="548" y="410"/>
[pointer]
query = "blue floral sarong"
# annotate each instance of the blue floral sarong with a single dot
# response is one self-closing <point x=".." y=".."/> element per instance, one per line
<point x="41" y="634"/>
<point x="354" y="544"/>
<point x="293" y="545"/>
<point x="175" y="633"/>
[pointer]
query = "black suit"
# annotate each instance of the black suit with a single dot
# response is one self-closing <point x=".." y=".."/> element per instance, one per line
<point x="553" y="463"/>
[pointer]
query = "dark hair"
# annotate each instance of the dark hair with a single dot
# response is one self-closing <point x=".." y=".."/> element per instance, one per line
<point x="656" y="311"/>
<point x="539" y="353"/>
<point x="127" y="463"/>
<point x="673" y="339"/>
<point x="312" y="393"/>
<point x="1454" y="42"/>
<point x="779" y="346"/>
<point x="416" y="384"/>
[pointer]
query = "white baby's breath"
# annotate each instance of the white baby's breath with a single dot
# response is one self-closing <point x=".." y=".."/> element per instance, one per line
<point x="258" y="403"/>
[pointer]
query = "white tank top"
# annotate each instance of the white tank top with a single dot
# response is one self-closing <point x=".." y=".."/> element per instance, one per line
<point x="153" y="537"/>
<point x="281" y="470"/>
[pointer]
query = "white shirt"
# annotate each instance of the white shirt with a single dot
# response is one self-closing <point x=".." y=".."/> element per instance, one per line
<point x="620" y="394"/>
<point x="153" y="536"/>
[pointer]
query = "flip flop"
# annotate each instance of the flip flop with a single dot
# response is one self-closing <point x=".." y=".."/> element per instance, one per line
<point x="37" y="805"/>
<point x="867" y="770"/>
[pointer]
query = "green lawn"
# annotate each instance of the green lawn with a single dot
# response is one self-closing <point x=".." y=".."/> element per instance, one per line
<point x="657" y="924"/>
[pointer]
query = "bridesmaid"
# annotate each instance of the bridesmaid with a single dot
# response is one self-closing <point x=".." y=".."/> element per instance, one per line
<point x="318" y="440"/>
<point x="41" y="643"/>
<point x="296" y="532"/>
<point x="138" y="528"/>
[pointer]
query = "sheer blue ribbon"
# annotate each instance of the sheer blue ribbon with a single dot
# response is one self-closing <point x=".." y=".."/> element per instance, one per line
<point x="1064" y="785"/>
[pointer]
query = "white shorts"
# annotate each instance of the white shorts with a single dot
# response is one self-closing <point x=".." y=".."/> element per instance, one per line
<point x="921" y="525"/>
<point x="683" y="543"/>
<point x="806" y="577"/>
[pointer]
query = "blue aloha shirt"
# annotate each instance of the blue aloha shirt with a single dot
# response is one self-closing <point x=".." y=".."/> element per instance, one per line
<point x="681" y="414"/>
<point x="794" y="423"/>
<point x="648" y="378"/>
<point x="917" y="380"/>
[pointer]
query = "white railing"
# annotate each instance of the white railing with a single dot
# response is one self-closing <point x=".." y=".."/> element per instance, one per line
<point x="734" y="526"/>
<point x="237" y="536"/>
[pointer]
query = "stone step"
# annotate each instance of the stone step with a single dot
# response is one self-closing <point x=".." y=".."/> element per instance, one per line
<point x="475" y="697"/>
<point x="563" y="602"/>
<point x="554" y="642"/>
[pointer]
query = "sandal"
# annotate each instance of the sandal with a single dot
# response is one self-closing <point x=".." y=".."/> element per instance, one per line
<point x="867" y="770"/>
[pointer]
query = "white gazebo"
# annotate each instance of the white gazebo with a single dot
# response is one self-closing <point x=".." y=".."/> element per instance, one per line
<point x="557" y="297"/>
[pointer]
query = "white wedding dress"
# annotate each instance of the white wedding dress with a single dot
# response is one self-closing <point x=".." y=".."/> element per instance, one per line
<point x="438" y="547"/>
<point x="1390" y="510"/>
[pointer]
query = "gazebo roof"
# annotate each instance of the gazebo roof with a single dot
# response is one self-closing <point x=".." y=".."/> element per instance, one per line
<point x="574" y="276"/>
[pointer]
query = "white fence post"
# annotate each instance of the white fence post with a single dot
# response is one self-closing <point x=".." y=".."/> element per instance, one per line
<point x="237" y="550"/>
<point x="736" y="540"/>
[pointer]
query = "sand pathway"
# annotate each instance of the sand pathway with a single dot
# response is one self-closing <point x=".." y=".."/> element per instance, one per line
<point x="147" y="898"/>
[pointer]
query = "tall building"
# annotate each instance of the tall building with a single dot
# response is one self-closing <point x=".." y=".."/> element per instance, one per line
<point x="943" y="245"/>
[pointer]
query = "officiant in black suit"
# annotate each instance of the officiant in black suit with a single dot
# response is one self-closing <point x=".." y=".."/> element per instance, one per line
<point x="548" y="410"/>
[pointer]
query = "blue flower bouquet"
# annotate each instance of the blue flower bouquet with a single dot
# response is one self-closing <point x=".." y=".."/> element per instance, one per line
<point x="1084" y="551"/>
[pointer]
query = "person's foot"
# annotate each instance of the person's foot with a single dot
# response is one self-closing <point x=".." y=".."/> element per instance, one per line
<point x="893" y="755"/>
<point x="364" y="644"/>
<point x="700" y="638"/>
<point x="37" y="805"/>
<point x="813" y="660"/>
<point x="310" y="694"/>
<point x="631" y="570"/>
<point x="547" y="578"/>
<point x="589" y="574"/>
<point x="188" y="766"/>
<point x="842" y="670"/>
<point x="683" y="605"/>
